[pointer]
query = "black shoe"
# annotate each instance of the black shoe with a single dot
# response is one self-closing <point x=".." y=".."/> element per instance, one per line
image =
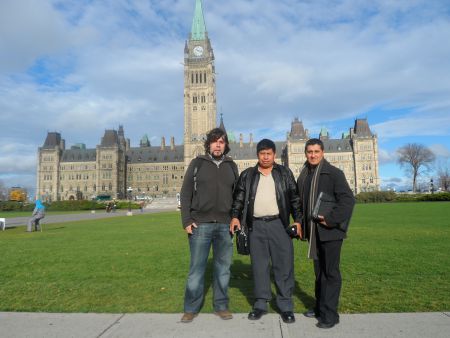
<point x="256" y="314"/>
<point x="288" y="317"/>
<point x="310" y="314"/>
<point x="324" y="325"/>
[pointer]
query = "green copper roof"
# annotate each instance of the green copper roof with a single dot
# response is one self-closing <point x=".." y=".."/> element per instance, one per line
<point x="323" y="131"/>
<point x="198" y="23"/>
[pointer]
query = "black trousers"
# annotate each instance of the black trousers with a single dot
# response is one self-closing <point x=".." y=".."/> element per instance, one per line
<point x="269" y="243"/>
<point x="328" y="280"/>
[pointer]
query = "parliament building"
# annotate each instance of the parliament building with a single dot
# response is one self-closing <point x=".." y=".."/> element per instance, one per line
<point x="114" y="169"/>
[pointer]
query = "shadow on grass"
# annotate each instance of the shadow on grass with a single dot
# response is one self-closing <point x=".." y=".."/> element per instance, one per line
<point x="308" y="301"/>
<point x="241" y="278"/>
<point x="52" y="229"/>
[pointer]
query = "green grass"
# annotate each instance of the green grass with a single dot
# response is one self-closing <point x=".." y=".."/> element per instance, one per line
<point x="396" y="259"/>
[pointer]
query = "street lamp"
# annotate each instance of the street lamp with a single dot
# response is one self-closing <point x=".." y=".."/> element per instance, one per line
<point x="129" y="191"/>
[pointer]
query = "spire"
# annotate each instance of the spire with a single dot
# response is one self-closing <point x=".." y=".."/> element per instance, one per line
<point x="222" y="126"/>
<point x="198" y="31"/>
<point x="324" y="134"/>
<point x="144" y="141"/>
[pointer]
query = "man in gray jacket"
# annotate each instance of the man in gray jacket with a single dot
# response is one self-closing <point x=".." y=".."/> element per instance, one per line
<point x="206" y="198"/>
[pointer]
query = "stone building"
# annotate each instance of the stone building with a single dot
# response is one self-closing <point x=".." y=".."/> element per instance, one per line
<point x="114" y="166"/>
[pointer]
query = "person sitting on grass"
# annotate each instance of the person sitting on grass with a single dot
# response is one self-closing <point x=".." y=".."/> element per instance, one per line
<point x="38" y="214"/>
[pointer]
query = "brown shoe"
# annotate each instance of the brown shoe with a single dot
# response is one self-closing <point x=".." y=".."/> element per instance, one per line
<point x="188" y="317"/>
<point x="224" y="314"/>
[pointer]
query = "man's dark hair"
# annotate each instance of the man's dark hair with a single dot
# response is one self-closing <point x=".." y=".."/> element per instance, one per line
<point x="265" y="144"/>
<point x="313" y="141"/>
<point x="212" y="136"/>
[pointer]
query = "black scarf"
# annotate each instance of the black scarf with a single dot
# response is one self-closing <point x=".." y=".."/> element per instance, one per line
<point x="313" y="193"/>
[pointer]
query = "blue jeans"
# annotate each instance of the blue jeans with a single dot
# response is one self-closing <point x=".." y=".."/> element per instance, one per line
<point x="217" y="234"/>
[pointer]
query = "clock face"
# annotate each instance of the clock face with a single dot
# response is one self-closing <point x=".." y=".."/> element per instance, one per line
<point x="198" y="50"/>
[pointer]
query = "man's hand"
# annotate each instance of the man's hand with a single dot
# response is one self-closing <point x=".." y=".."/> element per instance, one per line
<point x="299" y="230"/>
<point x="235" y="224"/>
<point x="190" y="228"/>
<point x="322" y="220"/>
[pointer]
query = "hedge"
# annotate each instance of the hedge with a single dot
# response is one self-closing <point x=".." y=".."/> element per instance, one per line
<point x="65" y="205"/>
<point x="390" y="196"/>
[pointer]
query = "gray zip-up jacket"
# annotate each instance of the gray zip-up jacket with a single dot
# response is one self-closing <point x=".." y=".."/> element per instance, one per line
<point x="209" y="198"/>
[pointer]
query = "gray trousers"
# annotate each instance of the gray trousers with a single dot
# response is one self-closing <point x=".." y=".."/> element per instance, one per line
<point x="34" y="220"/>
<point x="269" y="243"/>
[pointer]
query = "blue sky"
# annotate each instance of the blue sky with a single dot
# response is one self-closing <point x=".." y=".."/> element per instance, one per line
<point x="79" y="67"/>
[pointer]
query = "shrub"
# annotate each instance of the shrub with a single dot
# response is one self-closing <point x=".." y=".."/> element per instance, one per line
<point x="442" y="196"/>
<point x="375" y="197"/>
<point x="16" y="206"/>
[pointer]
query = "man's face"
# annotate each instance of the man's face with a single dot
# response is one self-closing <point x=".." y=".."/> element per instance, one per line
<point x="314" y="154"/>
<point x="217" y="148"/>
<point x="266" y="158"/>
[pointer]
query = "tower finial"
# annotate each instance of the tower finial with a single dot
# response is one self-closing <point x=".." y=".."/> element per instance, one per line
<point x="198" y="31"/>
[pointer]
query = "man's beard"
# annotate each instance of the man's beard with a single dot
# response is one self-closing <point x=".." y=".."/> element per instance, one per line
<point x="217" y="157"/>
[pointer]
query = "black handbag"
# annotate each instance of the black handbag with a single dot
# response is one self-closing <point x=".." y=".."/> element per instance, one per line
<point x="243" y="241"/>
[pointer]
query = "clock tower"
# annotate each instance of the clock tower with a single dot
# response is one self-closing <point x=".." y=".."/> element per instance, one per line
<point x="199" y="87"/>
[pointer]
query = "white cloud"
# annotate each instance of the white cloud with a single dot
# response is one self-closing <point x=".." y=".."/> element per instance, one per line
<point x="440" y="150"/>
<point x="433" y="124"/>
<point x="111" y="63"/>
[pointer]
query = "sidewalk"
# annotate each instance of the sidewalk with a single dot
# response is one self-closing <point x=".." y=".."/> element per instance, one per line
<point x="159" y="205"/>
<point x="91" y="325"/>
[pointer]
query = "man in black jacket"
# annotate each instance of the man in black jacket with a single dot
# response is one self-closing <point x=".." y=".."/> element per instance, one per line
<point x="206" y="198"/>
<point x="326" y="232"/>
<point x="265" y="197"/>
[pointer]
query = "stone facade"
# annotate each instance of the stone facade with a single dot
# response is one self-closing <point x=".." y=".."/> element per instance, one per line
<point x="114" y="166"/>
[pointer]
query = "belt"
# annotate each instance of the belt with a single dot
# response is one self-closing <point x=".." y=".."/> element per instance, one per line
<point x="266" y="218"/>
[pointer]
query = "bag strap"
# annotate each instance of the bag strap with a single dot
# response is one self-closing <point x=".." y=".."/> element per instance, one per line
<point x="198" y="164"/>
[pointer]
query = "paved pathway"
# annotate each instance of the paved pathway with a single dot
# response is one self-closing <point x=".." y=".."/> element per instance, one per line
<point x="158" y="205"/>
<point x="48" y="325"/>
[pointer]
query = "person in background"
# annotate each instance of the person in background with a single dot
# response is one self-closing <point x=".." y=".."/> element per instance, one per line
<point x="38" y="214"/>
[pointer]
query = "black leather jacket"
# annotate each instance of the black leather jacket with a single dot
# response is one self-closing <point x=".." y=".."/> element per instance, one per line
<point x="288" y="199"/>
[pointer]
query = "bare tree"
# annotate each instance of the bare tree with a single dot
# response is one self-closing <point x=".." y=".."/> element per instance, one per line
<point x="416" y="159"/>
<point x="443" y="173"/>
<point x="3" y="192"/>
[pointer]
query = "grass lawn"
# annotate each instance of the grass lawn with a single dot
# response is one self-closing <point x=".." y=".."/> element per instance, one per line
<point x="396" y="259"/>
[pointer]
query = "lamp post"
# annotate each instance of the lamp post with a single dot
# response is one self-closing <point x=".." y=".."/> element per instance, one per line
<point x="129" y="191"/>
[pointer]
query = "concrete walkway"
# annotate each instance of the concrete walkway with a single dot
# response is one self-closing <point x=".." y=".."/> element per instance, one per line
<point x="158" y="205"/>
<point x="398" y="325"/>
